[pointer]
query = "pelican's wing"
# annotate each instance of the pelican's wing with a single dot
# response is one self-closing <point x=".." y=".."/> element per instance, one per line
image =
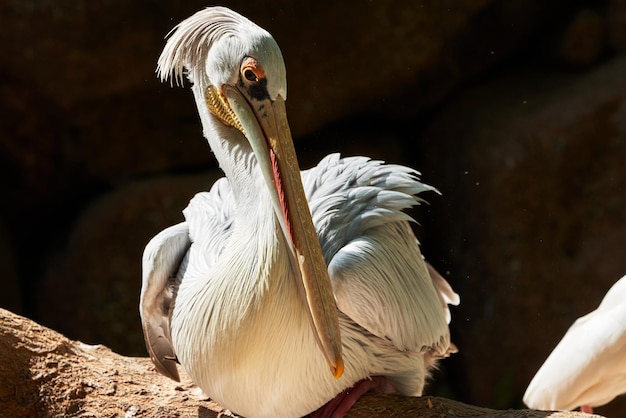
<point x="191" y="246"/>
<point x="447" y="296"/>
<point x="588" y="366"/>
<point x="379" y="277"/>
<point x="161" y="260"/>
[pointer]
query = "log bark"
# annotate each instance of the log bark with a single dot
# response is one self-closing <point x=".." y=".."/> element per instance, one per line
<point x="44" y="374"/>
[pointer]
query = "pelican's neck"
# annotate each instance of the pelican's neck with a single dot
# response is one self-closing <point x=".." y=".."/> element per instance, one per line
<point x="234" y="155"/>
<point x="254" y="262"/>
<point x="257" y="248"/>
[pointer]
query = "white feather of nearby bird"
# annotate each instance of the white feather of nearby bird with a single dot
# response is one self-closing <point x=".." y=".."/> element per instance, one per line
<point x="257" y="294"/>
<point x="588" y="366"/>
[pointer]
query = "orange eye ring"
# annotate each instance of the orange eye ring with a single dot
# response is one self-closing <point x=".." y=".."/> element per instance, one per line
<point x="251" y="70"/>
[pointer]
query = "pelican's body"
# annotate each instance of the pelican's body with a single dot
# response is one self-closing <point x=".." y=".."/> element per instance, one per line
<point x="588" y="366"/>
<point x="229" y="292"/>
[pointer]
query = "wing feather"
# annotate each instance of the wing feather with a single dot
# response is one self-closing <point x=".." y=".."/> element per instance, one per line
<point x="161" y="260"/>
<point x="381" y="282"/>
<point x="379" y="276"/>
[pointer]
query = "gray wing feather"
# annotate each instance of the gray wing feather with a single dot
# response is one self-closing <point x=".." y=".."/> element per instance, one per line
<point x="379" y="276"/>
<point x="382" y="283"/>
<point x="161" y="261"/>
<point x="347" y="196"/>
<point x="447" y="296"/>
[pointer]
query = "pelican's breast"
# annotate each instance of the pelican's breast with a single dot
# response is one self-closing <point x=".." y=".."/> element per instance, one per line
<point x="246" y="341"/>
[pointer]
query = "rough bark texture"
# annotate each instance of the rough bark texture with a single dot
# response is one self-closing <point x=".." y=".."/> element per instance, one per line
<point x="43" y="374"/>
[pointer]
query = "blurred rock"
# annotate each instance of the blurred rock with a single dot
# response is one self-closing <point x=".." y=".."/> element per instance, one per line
<point x="92" y="65"/>
<point x="10" y="297"/>
<point x="584" y="39"/>
<point x="531" y="224"/>
<point x="617" y="24"/>
<point x="92" y="288"/>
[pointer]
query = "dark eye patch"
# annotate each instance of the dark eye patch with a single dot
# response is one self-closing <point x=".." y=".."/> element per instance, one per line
<point x="258" y="90"/>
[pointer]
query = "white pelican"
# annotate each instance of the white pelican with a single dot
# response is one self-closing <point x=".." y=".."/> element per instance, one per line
<point x="240" y="293"/>
<point x="588" y="366"/>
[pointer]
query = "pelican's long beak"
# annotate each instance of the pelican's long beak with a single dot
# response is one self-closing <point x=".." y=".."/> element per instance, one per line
<point x="264" y="123"/>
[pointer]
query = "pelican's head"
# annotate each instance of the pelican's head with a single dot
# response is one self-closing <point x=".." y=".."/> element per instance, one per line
<point x="223" y="52"/>
<point x="239" y="77"/>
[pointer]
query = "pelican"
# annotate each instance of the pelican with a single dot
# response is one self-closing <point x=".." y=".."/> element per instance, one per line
<point x="588" y="366"/>
<point x="283" y="290"/>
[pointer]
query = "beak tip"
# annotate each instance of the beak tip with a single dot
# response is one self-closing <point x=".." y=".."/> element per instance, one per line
<point x="337" y="369"/>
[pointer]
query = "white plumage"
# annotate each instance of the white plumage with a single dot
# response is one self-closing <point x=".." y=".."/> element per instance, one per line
<point x="222" y="292"/>
<point x="588" y="366"/>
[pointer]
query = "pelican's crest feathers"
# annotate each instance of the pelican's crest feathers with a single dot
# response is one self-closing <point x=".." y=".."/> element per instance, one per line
<point x="190" y="41"/>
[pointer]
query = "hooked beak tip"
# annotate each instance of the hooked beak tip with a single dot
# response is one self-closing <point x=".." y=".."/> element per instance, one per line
<point x="337" y="370"/>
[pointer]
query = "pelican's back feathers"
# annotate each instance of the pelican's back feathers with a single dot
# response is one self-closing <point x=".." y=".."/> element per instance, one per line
<point x="350" y="195"/>
<point x="374" y="260"/>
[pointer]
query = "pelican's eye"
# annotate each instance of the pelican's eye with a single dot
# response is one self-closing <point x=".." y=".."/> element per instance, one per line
<point x="252" y="71"/>
<point x="249" y="75"/>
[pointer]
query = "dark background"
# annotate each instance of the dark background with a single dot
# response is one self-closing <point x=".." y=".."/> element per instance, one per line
<point x="515" y="110"/>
